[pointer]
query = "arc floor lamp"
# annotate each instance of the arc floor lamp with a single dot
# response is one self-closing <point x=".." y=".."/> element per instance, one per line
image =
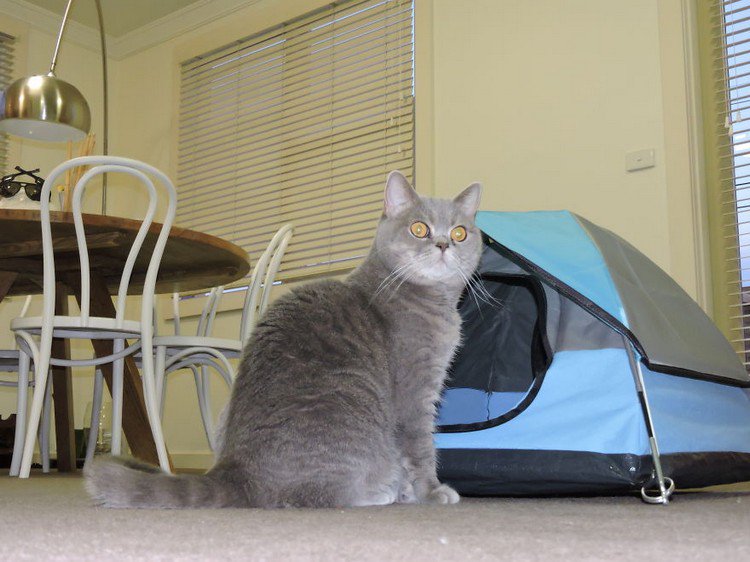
<point x="46" y="108"/>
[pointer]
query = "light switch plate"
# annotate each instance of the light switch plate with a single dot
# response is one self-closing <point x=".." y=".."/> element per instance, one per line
<point x="640" y="159"/>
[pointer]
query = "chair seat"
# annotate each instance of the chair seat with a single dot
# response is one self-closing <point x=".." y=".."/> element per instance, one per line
<point x="9" y="359"/>
<point x="96" y="328"/>
<point x="174" y="344"/>
<point x="9" y="364"/>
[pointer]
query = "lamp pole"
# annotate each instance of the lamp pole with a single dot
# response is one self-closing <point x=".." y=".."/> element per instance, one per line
<point x="105" y="121"/>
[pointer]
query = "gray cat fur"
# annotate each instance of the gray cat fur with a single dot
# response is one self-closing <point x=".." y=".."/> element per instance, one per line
<point x="335" y="398"/>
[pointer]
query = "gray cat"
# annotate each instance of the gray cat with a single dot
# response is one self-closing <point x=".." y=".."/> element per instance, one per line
<point x="334" y="403"/>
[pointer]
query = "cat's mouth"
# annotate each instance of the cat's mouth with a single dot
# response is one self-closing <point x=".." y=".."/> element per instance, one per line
<point x="443" y="267"/>
<point x="447" y="260"/>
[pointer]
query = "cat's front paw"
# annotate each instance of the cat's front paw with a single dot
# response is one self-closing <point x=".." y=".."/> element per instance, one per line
<point x="442" y="494"/>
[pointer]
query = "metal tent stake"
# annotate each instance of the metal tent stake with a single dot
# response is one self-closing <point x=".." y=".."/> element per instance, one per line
<point x="666" y="484"/>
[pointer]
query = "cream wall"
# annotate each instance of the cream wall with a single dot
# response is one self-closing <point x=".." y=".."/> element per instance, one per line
<point x="538" y="100"/>
<point x="541" y="101"/>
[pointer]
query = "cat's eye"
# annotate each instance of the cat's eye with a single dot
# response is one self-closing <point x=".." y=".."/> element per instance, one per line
<point x="419" y="229"/>
<point x="458" y="234"/>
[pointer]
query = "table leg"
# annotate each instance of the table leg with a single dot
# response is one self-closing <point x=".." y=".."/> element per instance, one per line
<point x="62" y="393"/>
<point x="135" y="422"/>
<point x="6" y="282"/>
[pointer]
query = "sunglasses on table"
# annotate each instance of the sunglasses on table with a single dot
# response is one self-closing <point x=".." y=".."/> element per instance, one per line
<point x="10" y="185"/>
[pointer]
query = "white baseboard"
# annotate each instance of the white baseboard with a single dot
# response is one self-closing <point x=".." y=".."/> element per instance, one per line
<point x="193" y="461"/>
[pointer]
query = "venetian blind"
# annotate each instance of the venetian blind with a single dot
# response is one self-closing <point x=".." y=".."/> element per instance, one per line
<point x="300" y="124"/>
<point x="731" y="50"/>
<point x="6" y="75"/>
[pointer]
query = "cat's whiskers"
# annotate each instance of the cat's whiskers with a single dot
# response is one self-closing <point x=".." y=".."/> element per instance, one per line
<point x="412" y="270"/>
<point x="396" y="274"/>
<point x="409" y="275"/>
<point x="476" y="282"/>
<point x="390" y="278"/>
<point x="457" y="264"/>
<point x="475" y="286"/>
<point x="386" y="280"/>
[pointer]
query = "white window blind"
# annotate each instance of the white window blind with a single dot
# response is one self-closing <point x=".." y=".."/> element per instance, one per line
<point x="301" y="124"/>
<point x="6" y="76"/>
<point x="731" y="43"/>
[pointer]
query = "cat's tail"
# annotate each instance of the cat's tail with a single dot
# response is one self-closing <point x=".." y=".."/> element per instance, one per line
<point x="122" y="482"/>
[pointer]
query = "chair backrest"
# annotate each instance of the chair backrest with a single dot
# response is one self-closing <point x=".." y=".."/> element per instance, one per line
<point x="262" y="278"/>
<point x="146" y="175"/>
<point x="256" y="297"/>
<point x="206" y="320"/>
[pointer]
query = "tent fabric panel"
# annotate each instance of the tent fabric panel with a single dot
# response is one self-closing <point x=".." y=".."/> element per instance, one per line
<point x="672" y="329"/>
<point x="578" y="329"/>
<point x="469" y="405"/>
<point x="587" y="402"/>
<point x="691" y="415"/>
<point x="555" y="242"/>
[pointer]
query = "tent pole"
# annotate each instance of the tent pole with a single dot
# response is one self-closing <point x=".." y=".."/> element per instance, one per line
<point x="666" y="484"/>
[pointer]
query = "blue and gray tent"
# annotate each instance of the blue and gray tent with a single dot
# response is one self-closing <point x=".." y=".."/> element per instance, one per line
<point x="586" y="369"/>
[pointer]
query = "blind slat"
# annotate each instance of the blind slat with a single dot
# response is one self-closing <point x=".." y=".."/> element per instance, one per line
<point x="287" y="31"/>
<point x="254" y="104"/>
<point x="291" y="64"/>
<point x="369" y="178"/>
<point x="295" y="155"/>
<point x="208" y="215"/>
<point x="269" y="128"/>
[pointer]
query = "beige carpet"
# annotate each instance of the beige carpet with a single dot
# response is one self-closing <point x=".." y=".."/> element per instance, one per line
<point x="50" y="517"/>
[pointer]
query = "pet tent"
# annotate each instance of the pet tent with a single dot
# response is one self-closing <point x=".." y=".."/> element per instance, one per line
<point x="586" y="369"/>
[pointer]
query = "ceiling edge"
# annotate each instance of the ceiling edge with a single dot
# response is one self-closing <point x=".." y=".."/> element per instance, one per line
<point x="49" y="22"/>
<point x="178" y="23"/>
<point x="182" y="21"/>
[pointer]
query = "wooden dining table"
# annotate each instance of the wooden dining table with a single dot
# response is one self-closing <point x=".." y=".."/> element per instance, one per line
<point x="192" y="260"/>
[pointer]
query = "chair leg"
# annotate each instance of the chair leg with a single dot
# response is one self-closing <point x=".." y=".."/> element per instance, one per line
<point x="96" y="410"/>
<point x="118" y="368"/>
<point x="152" y="406"/>
<point x="44" y="429"/>
<point x="22" y="402"/>
<point x="156" y="430"/>
<point x="41" y="374"/>
<point x="201" y="387"/>
<point x="160" y="372"/>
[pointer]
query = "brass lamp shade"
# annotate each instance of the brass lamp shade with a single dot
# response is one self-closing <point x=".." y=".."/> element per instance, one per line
<point x="45" y="108"/>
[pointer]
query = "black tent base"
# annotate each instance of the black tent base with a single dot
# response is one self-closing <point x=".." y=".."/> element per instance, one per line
<point x="514" y="472"/>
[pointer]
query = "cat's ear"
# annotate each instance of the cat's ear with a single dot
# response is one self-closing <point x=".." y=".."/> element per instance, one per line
<point x="468" y="199"/>
<point x="399" y="194"/>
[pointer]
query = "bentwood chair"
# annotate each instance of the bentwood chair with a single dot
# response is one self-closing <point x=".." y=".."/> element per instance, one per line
<point x="13" y="361"/>
<point x="202" y="352"/>
<point x="35" y="334"/>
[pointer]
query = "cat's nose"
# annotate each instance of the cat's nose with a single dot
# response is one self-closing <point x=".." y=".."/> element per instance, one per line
<point x="442" y="244"/>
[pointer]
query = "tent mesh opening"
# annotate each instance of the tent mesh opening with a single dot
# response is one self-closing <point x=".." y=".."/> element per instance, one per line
<point x="504" y="355"/>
